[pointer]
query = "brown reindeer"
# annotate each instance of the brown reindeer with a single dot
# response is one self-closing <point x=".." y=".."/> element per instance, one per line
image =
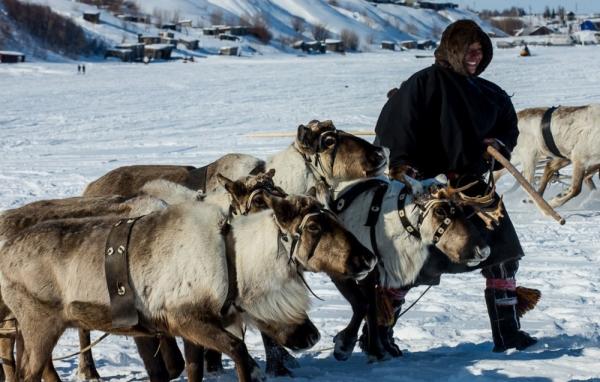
<point x="244" y="198"/>
<point x="128" y="180"/>
<point x="179" y="272"/>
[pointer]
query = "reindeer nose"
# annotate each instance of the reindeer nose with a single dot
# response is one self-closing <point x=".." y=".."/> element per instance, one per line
<point x="378" y="156"/>
<point x="480" y="254"/>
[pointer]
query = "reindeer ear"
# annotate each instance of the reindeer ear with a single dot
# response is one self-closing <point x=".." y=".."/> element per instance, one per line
<point x="270" y="173"/>
<point x="233" y="188"/>
<point x="323" y="194"/>
<point x="301" y="135"/>
<point x="312" y="192"/>
<point x="225" y="182"/>
<point x="284" y="210"/>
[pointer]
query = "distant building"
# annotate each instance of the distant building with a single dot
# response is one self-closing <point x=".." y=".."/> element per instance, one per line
<point x="8" y="57"/>
<point x="388" y="45"/>
<point x="229" y="51"/>
<point x="332" y="45"/>
<point x="189" y="44"/>
<point x="158" y="51"/>
<point x="149" y="40"/>
<point x="534" y="31"/>
<point x="408" y="44"/>
<point x="436" y="6"/>
<point x="228" y="37"/>
<point x="92" y="17"/>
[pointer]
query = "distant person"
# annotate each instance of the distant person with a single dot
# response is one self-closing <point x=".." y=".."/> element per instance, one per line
<point x="78" y="69"/>
<point x="83" y="68"/>
<point x="440" y="121"/>
<point x="525" y="51"/>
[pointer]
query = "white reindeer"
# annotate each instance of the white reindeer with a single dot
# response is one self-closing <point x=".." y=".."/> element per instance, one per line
<point x="576" y="133"/>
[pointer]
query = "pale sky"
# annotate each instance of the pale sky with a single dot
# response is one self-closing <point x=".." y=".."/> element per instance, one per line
<point x="537" y="6"/>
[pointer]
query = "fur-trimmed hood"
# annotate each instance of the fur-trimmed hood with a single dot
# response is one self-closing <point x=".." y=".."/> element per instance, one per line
<point x="454" y="45"/>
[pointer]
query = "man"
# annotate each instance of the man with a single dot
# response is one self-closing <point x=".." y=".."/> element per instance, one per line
<point x="440" y="121"/>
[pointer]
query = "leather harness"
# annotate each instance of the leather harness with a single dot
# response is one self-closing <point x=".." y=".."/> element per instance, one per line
<point x="116" y="267"/>
<point x="547" y="133"/>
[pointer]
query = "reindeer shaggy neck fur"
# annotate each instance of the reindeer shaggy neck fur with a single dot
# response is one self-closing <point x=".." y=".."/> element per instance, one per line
<point x="268" y="293"/>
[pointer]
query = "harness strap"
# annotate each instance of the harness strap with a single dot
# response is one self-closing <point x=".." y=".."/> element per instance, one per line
<point x="373" y="216"/>
<point x="116" y="267"/>
<point x="200" y="173"/>
<point x="345" y="199"/>
<point x="232" y="288"/>
<point x="547" y="133"/>
<point x="402" y="215"/>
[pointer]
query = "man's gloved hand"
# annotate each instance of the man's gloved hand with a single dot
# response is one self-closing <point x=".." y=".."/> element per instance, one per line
<point x="397" y="172"/>
<point x="498" y="145"/>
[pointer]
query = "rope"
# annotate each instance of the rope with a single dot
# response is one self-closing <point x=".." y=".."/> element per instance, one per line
<point x="84" y="349"/>
<point x="415" y="302"/>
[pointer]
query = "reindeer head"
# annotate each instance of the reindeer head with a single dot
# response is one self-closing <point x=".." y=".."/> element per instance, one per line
<point x="247" y="192"/>
<point x="317" y="240"/>
<point x="336" y="155"/>
<point x="443" y="220"/>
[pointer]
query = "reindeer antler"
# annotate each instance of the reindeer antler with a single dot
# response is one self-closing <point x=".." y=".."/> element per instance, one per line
<point x="481" y="204"/>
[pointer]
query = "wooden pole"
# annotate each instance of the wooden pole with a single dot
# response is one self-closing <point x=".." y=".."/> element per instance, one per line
<point x="537" y="198"/>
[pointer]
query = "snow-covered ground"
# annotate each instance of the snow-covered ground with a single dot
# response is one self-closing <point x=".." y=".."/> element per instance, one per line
<point x="60" y="130"/>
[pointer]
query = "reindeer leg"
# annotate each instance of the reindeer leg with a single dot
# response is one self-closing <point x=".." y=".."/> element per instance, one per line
<point x="194" y="361"/>
<point x="589" y="174"/>
<point x="87" y="369"/>
<point x="213" y="361"/>
<point x="213" y="335"/>
<point x="374" y="346"/>
<point x="346" y="339"/>
<point x="154" y="364"/>
<point x="574" y="189"/>
<point x="49" y="374"/>
<point x="171" y="356"/>
<point x="278" y="359"/>
<point x="39" y="329"/>
<point x="8" y="360"/>
<point x="549" y="170"/>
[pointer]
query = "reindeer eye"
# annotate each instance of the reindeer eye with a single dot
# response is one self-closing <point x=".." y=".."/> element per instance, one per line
<point x="259" y="202"/>
<point x="439" y="212"/>
<point x="329" y="141"/>
<point x="313" y="228"/>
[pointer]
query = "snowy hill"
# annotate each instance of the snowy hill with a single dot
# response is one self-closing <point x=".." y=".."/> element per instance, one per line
<point x="286" y="20"/>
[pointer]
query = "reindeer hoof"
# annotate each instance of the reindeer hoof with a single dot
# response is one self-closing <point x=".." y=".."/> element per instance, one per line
<point x="88" y="375"/>
<point x="290" y="361"/>
<point x="344" y="345"/>
<point x="276" y="369"/>
<point x="257" y="375"/>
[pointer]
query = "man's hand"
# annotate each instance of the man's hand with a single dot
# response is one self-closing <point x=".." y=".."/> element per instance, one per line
<point x="495" y="143"/>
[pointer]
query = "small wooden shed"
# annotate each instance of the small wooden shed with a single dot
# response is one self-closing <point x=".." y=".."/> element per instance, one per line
<point x="388" y="45"/>
<point x="332" y="45"/>
<point x="158" y="51"/>
<point x="149" y="40"/>
<point x="92" y="17"/>
<point x="189" y="44"/>
<point x="228" y="37"/>
<point x="229" y="51"/>
<point x="10" y="57"/>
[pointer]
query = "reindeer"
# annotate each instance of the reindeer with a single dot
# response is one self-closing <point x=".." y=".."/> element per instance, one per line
<point x="320" y="152"/>
<point x="400" y="221"/>
<point x="576" y="133"/>
<point x="242" y="197"/>
<point x="128" y="180"/>
<point x="180" y="276"/>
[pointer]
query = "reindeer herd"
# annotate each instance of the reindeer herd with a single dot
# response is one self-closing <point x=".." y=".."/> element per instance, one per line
<point x="211" y="250"/>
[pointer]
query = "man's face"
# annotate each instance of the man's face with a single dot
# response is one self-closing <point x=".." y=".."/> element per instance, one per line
<point x="473" y="57"/>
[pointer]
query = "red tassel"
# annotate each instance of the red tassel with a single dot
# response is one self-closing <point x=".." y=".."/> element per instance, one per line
<point x="527" y="299"/>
